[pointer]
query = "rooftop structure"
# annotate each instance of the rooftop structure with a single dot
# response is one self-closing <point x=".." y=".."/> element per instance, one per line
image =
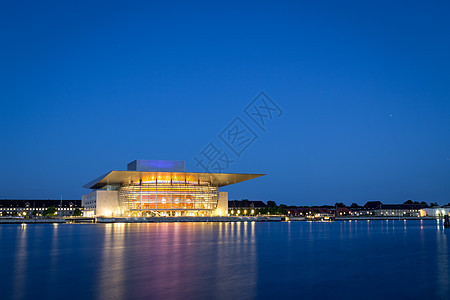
<point x="114" y="179"/>
<point x="156" y="165"/>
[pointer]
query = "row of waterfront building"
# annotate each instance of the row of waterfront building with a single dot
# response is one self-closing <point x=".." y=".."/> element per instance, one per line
<point x="37" y="208"/>
<point x="65" y="208"/>
<point x="151" y="188"/>
<point x="370" y="209"/>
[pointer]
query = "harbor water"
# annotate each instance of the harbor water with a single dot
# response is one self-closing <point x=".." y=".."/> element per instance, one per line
<point x="245" y="260"/>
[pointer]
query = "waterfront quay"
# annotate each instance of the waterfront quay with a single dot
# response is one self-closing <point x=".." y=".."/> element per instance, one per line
<point x="142" y="220"/>
<point x="30" y="221"/>
<point x="198" y="219"/>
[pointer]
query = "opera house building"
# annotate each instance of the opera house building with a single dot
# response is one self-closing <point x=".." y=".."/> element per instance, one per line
<point x="159" y="188"/>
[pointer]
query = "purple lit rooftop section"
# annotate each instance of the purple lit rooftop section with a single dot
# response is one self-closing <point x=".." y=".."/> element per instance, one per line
<point x="156" y="165"/>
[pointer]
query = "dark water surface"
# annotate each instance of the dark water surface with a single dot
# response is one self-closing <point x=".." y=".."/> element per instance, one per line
<point x="352" y="260"/>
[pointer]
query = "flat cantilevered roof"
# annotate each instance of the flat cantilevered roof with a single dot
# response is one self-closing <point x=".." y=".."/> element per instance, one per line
<point x="121" y="177"/>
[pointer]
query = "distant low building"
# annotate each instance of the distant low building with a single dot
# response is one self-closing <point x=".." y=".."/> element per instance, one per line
<point x="24" y="207"/>
<point x="378" y="209"/>
<point x="312" y="211"/>
<point x="435" y="212"/>
<point x="292" y="212"/>
<point x="246" y="204"/>
<point x="342" y="211"/>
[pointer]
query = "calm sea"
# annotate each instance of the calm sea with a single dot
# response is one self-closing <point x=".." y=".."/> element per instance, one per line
<point x="351" y="260"/>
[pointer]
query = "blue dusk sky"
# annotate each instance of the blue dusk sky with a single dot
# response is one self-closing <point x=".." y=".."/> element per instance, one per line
<point x="363" y="86"/>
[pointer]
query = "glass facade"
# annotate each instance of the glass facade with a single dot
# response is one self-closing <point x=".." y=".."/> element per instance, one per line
<point x="168" y="194"/>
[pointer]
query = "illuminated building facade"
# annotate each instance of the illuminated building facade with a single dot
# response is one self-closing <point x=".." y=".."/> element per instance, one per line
<point x="159" y="188"/>
<point x="29" y="207"/>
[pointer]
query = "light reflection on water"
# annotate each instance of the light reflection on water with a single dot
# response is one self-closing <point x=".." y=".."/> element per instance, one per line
<point x="244" y="260"/>
<point x="442" y="262"/>
<point x="20" y="261"/>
